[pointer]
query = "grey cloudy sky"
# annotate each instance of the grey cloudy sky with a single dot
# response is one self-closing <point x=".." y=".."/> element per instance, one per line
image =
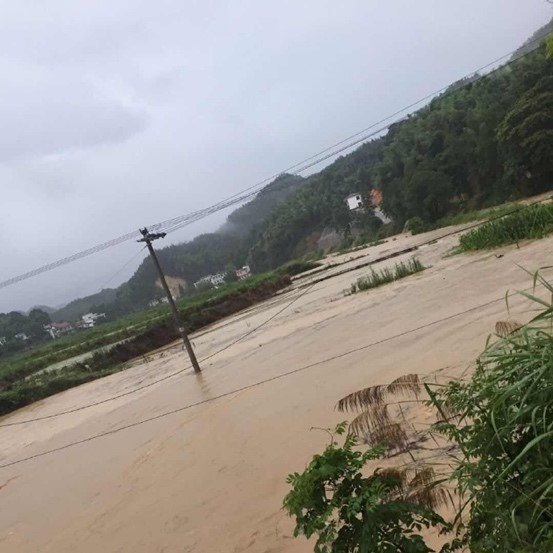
<point x="119" y="113"/>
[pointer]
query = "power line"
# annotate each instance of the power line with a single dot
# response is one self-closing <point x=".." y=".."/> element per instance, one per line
<point x="309" y="163"/>
<point x="288" y="305"/>
<point x="254" y="385"/>
<point x="171" y="225"/>
<point x="318" y="158"/>
<point x="164" y="378"/>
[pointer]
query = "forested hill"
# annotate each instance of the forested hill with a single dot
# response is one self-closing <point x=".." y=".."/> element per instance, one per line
<point x="483" y="141"/>
<point x="75" y="309"/>
<point x="530" y="44"/>
<point x="244" y="219"/>
<point x="205" y="254"/>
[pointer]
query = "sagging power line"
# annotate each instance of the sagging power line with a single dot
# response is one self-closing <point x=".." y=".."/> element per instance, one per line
<point x="307" y="289"/>
<point x="255" y="384"/>
<point x="176" y="223"/>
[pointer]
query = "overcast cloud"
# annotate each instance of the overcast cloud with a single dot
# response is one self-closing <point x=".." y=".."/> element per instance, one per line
<point x="119" y="113"/>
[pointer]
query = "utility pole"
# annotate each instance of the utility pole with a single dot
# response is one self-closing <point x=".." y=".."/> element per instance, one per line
<point x="148" y="238"/>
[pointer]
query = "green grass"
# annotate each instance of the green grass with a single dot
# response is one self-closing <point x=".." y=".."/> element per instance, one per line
<point x="22" y="365"/>
<point x="477" y="215"/>
<point x="21" y="381"/>
<point x="386" y="275"/>
<point x="462" y="218"/>
<point x="529" y="223"/>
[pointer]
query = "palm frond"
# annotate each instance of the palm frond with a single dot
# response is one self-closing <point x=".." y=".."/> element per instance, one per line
<point x="423" y="477"/>
<point x="506" y="328"/>
<point x="374" y="418"/>
<point x="393" y="436"/>
<point x="395" y="478"/>
<point x="362" y="399"/>
<point x="430" y="496"/>
<point x="409" y="384"/>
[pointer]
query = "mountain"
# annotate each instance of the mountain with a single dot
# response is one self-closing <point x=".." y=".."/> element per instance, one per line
<point x="75" y="309"/>
<point x="483" y="141"/>
<point x="536" y="37"/>
<point x="244" y="219"/>
<point x="44" y="308"/>
<point x="206" y="254"/>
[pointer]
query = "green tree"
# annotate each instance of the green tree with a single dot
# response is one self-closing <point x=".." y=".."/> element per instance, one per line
<point x="527" y="134"/>
<point x="428" y="194"/>
<point x="351" y="512"/>
<point x="230" y="273"/>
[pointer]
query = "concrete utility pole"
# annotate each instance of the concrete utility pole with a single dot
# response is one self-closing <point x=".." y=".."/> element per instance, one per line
<point x="148" y="238"/>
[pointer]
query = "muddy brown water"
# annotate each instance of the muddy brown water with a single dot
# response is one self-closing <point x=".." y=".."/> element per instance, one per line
<point x="211" y="478"/>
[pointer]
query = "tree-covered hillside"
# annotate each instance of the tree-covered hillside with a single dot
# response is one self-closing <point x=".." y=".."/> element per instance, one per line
<point x="75" y="309"/>
<point x="480" y="143"/>
<point x="205" y="254"/>
<point x="247" y="217"/>
<point x="483" y="141"/>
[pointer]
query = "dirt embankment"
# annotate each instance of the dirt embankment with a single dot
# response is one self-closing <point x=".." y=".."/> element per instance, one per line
<point x="194" y="318"/>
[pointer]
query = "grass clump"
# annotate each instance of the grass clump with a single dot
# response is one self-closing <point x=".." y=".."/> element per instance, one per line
<point x="378" y="278"/>
<point x="296" y="267"/>
<point x="527" y="223"/>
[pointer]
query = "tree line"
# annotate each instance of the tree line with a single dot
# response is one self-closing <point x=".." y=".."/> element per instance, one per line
<point x="484" y="141"/>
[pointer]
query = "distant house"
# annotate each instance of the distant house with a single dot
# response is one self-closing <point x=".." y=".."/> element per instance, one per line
<point x="90" y="319"/>
<point x="244" y="272"/>
<point x="354" y="201"/>
<point x="212" y="280"/>
<point x="58" y="329"/>
<point x="21" y="336"/>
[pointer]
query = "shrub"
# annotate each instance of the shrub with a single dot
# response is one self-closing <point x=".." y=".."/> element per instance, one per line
<point x="527" y="223"/>
<point x="493" y="439"/>
<point x="416" y="225"/>
<point x="351" y="512"/>
<point x="378" y="278"/>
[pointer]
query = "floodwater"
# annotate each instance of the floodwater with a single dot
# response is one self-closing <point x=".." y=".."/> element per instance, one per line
<point x="207" y="474"/>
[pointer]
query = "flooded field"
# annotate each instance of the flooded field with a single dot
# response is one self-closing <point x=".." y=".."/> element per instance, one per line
<point x="198" y="463"/>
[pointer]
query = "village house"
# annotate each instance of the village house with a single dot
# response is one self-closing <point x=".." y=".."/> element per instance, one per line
<point x="57" y="329"/>
<point x="89" y="319"/>
<point x="354" y="201"/>
<point x="213" y="280"/>
<point x="244" y="272"/>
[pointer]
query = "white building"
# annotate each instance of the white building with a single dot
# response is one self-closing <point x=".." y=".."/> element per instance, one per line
<point x="213" y="280"/>
<point x="354" y="201"/>
<point x="89" y="319"/>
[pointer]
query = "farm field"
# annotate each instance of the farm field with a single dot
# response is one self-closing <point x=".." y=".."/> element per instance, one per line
<point x="208" y="472"/>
